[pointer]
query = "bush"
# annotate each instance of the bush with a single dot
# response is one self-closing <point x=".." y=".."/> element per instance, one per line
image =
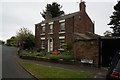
<point x="54" y="57"/>
<point x="61" y="56"/>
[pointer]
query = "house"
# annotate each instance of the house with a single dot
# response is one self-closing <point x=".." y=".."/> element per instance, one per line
<point x="51" y="33"/>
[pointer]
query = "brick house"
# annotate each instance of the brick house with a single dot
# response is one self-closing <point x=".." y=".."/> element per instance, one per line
<point x="51" y="33"/>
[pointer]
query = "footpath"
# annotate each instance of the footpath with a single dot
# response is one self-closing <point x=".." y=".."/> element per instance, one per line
<point x="100" y="72"/>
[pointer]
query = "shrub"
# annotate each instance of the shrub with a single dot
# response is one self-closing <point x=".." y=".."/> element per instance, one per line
<point x="54" y="57"/>
<point x="61" y="56"/>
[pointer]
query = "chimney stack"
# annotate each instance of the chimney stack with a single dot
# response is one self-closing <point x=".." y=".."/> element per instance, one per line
<point x="82" y="6"/>
<point x="48" y="15"/>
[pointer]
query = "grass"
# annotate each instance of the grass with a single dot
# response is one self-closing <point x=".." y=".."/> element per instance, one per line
<point x="43" y="71"/>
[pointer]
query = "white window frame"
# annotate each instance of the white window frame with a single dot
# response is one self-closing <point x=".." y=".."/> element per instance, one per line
<point x="42" y="44"/>
<point x="43" y="30"/>
<point x="61" y="43"/>
<point x="61" y="27"/>
<point x="50" y="28"/>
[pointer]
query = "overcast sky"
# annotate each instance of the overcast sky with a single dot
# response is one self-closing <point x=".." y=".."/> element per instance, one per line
<point x="26" y="13"/>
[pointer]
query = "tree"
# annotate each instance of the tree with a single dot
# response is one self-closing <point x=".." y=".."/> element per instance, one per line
<point x="107" y="33"/>
<point x="115" y="20"/>
<point x="53" y="9"/>
<point x="12" y="41"/>
<point x="25" y="38"/>
<point x="2" y="42"/>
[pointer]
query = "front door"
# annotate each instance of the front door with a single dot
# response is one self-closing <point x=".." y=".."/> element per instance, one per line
<point x="50" y="44"/>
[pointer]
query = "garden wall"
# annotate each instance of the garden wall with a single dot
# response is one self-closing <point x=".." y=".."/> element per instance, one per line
<point x="87" y="51"/>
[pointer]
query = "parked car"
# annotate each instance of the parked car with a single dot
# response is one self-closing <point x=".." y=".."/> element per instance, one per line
<point x="114" y="70"/>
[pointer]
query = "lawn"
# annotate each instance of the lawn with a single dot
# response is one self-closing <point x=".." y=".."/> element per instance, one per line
<point x="43" y="71"/>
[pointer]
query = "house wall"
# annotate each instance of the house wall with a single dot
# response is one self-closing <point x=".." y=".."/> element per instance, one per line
<point x="56" y="29"/>
<point x="37" y="36"/>
<point x="69" y="29"/>
<point x="82" y="23"/>
<point x="87" y="49"/>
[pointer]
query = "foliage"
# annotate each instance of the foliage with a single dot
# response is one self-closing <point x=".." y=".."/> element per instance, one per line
<point x="25" y="38"/>
<point x="115" y="20"/>
<point x="2" y="42"/>
<point x="12" y="41"/>
<point x="53" y="9"/>
<point x="33" y="53"/>
<point x="61" y="56"/>
<point x="68" y="48"/>
<point x="107" y="33"/>
<point x="43" y="71"/>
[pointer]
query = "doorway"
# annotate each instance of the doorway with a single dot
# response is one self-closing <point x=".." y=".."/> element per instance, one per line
<point x="50" y="44"/>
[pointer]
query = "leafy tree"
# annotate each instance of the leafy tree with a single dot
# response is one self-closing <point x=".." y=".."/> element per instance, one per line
<point x="12" y="41"/>
<point x="53" y="9"/>
<point x="2" y="42"/>
<point x="25" y="38"/>
<point x="107" y="33"/>
<point x="115" y="20"/>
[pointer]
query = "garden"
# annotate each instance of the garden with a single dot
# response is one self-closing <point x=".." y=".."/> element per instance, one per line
<point x="65" y="55"/>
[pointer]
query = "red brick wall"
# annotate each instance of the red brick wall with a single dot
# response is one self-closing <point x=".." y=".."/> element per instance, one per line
<point x="56" y="35"/>
<point x="87" y="49"/>
<point x="82" y="23"/>
<point x="69" y="29"/>
<point x="37" y="36"/>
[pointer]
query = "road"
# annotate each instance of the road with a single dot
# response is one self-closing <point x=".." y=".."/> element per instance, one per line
<point x="10" y="65"/>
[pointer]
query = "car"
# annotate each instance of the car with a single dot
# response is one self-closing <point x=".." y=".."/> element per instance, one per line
<point x="114" y="70"/>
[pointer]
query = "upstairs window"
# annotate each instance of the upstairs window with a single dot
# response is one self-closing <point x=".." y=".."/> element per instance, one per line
<point x="62" y="27"/>
<point x="43" y="29"/>
<point x="51" y="28"/>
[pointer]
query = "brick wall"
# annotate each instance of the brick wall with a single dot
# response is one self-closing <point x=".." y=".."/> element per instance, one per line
<point x="87" y="49"/>
<point x="56" y="35"/>
<point x="69" y="26"/>
<point x="82" y="23"/>
<point x="37" y="36"/>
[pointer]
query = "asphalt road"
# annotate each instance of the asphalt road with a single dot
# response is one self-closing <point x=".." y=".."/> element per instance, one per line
<point x="10" y="65"/>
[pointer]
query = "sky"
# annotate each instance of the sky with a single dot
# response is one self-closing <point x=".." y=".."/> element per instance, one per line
<point x="15" y="14"/>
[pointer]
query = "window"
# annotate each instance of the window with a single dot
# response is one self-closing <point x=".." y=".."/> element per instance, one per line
<point x="62" y="42"/>
<point x="43" y="29"/>
<point x="62" y="27"/>
<point x="43" y="44"/>
<point x="51" y="28"/>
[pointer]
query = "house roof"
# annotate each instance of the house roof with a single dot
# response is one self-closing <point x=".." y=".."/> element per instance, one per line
<point x="59" y="18"/>
<point x="87" y="36"/>
<point x="103" y="37"/>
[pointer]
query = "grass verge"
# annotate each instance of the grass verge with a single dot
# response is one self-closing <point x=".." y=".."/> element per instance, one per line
<point x="43" y="71"/>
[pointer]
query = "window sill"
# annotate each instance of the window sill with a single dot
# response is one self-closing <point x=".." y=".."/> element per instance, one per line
<point x="61" y="32"/>
<point x="50" y="33"/>
<point x="61" y="49"/>
<point x="42" y="47"/>
<point x="43" y="34"/>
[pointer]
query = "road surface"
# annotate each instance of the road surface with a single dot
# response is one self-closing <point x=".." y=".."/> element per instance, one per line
<point x="10" y="66"/>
